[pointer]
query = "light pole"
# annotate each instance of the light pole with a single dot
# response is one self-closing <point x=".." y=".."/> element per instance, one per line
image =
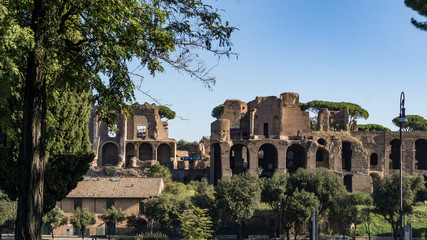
<point x="280" y="222"/>
<point x="402" y="119"/>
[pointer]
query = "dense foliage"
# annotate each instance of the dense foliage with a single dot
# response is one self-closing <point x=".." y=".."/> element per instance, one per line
<point x="87" y="45"/>
<point x="372" y="128"/>
<point x="166" y="112"/>
<point x="7" y="212"/>
<point x="414" y="123"/>
<point x="111" y="217"/>
<point x="54" y="219"/>
<point x="238" y="197"/>
<point x="217" y="111"/>
<point x="355" y="110"/>
<point x="196" y="224"/>
<point x="420" y="6"/>
<point x="386" y="197"/>
<point x="82" y="218"/>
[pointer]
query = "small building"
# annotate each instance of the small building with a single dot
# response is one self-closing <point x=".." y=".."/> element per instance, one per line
<point x="98" y="194"/>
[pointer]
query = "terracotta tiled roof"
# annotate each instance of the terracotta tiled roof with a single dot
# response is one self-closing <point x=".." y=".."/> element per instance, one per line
<point x="125" y="187"/>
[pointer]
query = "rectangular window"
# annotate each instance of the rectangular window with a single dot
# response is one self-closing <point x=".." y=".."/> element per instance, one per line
<point x="141" y="131"/>
<point x="266" y="129"/>
<point x="110" y="203"/>
<point x="77" y="203"/>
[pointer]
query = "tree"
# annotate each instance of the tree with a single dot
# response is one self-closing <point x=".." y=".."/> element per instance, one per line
<point x="196" y="224"/>
<point x="164" y="209"/>
<point x="386" y="197"/>
<point x="50" y="43"/>
<point x="343" y="212"/>
<point x="158" y="170"/>
<point x="355" y="111"/>
<point x="238" y="196"/>
<point x="137" y="223"/>
<point x="420" y="7"/>
<point x="274" y="192"/>
<point x="111" y="217"/>
<point x="54" y="219"/>
<point x="68" y="151"/>
<point x="414" y="123"/>
<point x="204" y="198"/>
<point x="7" y="211"/>
<point x="299" y="207"/>
<point x="81" y="219"/>
<point x="217" y="111"/>
<point x="166" y="112"/>
<point x="372" y="128"/>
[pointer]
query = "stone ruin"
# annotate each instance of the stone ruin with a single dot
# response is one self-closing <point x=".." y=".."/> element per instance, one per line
<point x="272" y="135"/>
<point x="141" y="141"/>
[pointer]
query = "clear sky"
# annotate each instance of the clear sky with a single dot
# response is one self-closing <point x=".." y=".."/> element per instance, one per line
<point x="365" y="52"/>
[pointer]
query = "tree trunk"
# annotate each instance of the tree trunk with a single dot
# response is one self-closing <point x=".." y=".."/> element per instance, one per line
<point x="239" y="230"/>
<point x="30" y="200"/>
<point x="51" y="231"/>
<point x="83" y="233"/>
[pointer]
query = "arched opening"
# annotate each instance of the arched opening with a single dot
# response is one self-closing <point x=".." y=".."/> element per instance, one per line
<point x="321" y="141"/>
<point x="322" y="158"/>
<point x="239" y="159"/>
<point x="421" y="154"/>
<point x="164" y="154"/>
<point x="374" y="177"/>
<point x="348" y="182"/>
<point x="346" y="156"/>
<point x="267" y="160"/>
<point x="395" y="154"/>
<point x="217" y="162"/>
<point x="110" y="154"/>
<point x="276" y="126"/>
<point x="373" y="160"/>
<point x="145" y="152"/>
<point x="130" y="153"/>
<point x="295" y="158"/>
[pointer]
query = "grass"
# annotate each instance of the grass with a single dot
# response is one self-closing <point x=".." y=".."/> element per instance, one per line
<point x="380" y="227"/>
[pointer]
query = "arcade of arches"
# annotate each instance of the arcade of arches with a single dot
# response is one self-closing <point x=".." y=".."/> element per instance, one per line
<point x="144" y="151"/>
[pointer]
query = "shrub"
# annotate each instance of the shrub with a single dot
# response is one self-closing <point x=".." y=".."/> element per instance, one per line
<point x="152" y="236"/>
<point x="109" y="171"/>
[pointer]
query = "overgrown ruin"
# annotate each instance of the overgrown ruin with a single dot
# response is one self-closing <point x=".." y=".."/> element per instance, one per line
<point x="272" y="135"/>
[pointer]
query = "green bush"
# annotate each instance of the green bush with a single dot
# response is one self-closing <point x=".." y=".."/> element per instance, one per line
<point x="109" y="171"/>
<point x="152" y="236"/>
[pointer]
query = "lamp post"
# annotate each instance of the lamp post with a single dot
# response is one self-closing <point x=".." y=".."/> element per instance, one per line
<point x="402" y="119"/>
<point x="280" y="221"/>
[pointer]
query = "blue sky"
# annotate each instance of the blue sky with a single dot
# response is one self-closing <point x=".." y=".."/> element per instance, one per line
<point x="365" y="52"/>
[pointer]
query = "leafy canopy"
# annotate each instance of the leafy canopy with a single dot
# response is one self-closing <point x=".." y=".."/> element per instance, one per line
<point x="386" y="196"/>
<point x="355" y="110"/>
<point x="82" y="218"/>
<point x="166" y="112"/>
<point x="414" y="123"/>
<point x="54" y="219"/>
<point x="372" y="128"/>
<point x="420" y="6"/>
<point x="217" y="111"/>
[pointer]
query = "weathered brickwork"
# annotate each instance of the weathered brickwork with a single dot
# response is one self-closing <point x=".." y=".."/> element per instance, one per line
<point x="272" y="134"/>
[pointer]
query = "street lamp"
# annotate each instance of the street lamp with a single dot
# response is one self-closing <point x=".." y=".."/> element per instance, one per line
<point x="402" y="119"/>
<point x="280" y="221"/>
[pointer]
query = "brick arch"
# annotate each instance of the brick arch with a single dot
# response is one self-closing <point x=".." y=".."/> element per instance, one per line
<point x="109" y="154"/>
<point x="239" y="158"/>
<point x="322" y="158"/>
<point x="296" y="157"/>
<point x="267" y="159"/>
<point x="145" y="151"/>
<point x="164" y="153"/>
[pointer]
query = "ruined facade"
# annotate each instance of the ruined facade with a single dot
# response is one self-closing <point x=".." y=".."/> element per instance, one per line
<point x="141" y="140"/>
<point x="272" y="135"/>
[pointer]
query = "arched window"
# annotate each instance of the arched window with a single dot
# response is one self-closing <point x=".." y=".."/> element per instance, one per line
<point x="110" y="156"/>
<point x="295" y="158"/>
<point x="267" y="159"/>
